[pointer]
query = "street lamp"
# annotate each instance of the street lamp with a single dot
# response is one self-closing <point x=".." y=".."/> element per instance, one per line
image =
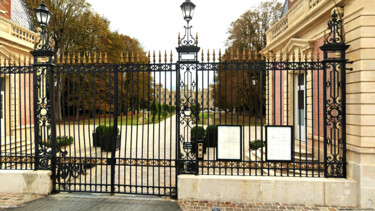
<point x="188" y="10"/>
<point x="188" y="45"/>
<point x="43" y="14"/>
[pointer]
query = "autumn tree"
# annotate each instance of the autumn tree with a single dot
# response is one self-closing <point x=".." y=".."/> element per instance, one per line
<point x="234" y="81"/>
<point x="249" y="30"/>
<point x="75" y="27"/>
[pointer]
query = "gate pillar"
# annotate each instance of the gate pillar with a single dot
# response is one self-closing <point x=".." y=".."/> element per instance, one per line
<point x="334" y="96"/>
<point x="43" y="98"/>
<point x="187" y="95"/>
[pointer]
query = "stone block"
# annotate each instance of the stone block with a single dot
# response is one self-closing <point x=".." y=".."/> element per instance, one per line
<point x="267" y="190"/>
<point x="340" y="192"/>
<point x="25" y="181"/>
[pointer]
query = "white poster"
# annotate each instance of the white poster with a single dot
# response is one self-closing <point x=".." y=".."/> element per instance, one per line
<point x="279" y="143"/>
<point x="229" y="143"/>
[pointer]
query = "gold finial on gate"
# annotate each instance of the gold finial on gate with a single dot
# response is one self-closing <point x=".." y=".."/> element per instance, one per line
<point x="89" y="58"/>
<point x="132" y="57"/>
<point x="127" y="57"/>
<point x="255" y="55"/>
<point x="208" y="55"/>
<point x="312" y="54"/>
<point x="63" y="58"/>
<point x="100" y="57"/>
<point x="202" y="56"/>
<point x="84" y="58"/>
<point x="94" y="57"/>
<point x="165" y="56"/>
<point x="154" y="56"/>
<point x="231" y="54"/>
<point x="219" y="55"/>
<point x="171" y="56"/>
<point x="238" y="55"/>
<point x="79" y="58"/>
<point x="68" y="58"/>
<point x="299" y="54"/>
<point x="280" y="55"/>
<point x="214" y="56"/>
<point x="137" y="56"/>
<point x="58" y="58"/>
<point x="10" y="60"/>
<point x="293" y="55"/>
<point x="121" y="58"/>
<point x="179" y="38"/>
<point x="105" y="57"/>
<point x="159" y="56"/>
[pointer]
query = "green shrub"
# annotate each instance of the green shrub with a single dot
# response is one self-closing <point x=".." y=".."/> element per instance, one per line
<point x="106" y="130"/>
<point x="211" y="136"/>
<point x="197" y="132"/>
<point x="257" y="144"/>
<point x="61" y="141"/>
<point x="104" y="137"/>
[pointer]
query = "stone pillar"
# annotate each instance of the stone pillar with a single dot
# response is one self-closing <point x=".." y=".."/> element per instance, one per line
<point x="359" y="27"/>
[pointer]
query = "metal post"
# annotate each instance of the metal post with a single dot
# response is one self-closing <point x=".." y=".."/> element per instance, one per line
<point x="334" y="66"/>
<point x="115" y="123"/>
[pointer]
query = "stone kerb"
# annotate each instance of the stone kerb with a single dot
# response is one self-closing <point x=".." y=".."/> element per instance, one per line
<point x="317" y="191"/>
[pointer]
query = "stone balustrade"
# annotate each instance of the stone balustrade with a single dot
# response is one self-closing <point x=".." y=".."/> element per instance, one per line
<point x="24" y="34"/>
<point x="299" y="10"/>
<point x="11" y="31"/>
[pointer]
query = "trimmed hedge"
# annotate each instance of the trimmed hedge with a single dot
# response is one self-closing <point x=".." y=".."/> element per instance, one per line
<point x="197" y="132"/>
<point x="61" y="141"/>
<point x="103" y="137"/>
<point x="211" y="136"/>
<point x="257" y="144"/>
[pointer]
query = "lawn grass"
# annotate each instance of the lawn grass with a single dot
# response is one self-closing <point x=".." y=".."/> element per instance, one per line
<point x="230" y="119"/>
<point x="121" y="120"/>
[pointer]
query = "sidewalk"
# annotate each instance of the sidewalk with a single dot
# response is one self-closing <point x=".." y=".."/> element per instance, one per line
<point x="16" y="200"/>
<point x="92" y="202"/>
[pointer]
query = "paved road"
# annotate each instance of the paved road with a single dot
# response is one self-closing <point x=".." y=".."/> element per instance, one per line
<point x="93" y="202"/>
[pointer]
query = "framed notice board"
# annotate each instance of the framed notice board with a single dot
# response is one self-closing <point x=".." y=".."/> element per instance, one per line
<point x="229" y="142"/>
<point x="279" y="143"/>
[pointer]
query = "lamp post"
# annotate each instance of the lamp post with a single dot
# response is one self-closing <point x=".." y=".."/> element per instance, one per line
<point x="187" y="67"/>
<point x="188" y="45"/>
<point x="43" y="16"/>
<point x="43" y="96"/>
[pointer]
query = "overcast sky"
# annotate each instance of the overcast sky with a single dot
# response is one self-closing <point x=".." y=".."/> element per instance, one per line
<point x="156" y="23"/>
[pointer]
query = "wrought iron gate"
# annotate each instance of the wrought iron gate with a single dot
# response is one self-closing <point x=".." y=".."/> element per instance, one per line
<point x="133" y="127"/>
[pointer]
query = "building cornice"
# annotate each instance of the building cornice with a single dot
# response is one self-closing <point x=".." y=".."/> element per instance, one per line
<point x="303" y="15"/>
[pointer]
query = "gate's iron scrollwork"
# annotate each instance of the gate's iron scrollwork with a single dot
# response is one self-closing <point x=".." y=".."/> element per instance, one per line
<point x="335" y="97"/>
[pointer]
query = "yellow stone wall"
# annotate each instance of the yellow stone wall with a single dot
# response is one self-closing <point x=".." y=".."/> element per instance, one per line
<point x="306" y="22"/>
<point x="16" y="42"/>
